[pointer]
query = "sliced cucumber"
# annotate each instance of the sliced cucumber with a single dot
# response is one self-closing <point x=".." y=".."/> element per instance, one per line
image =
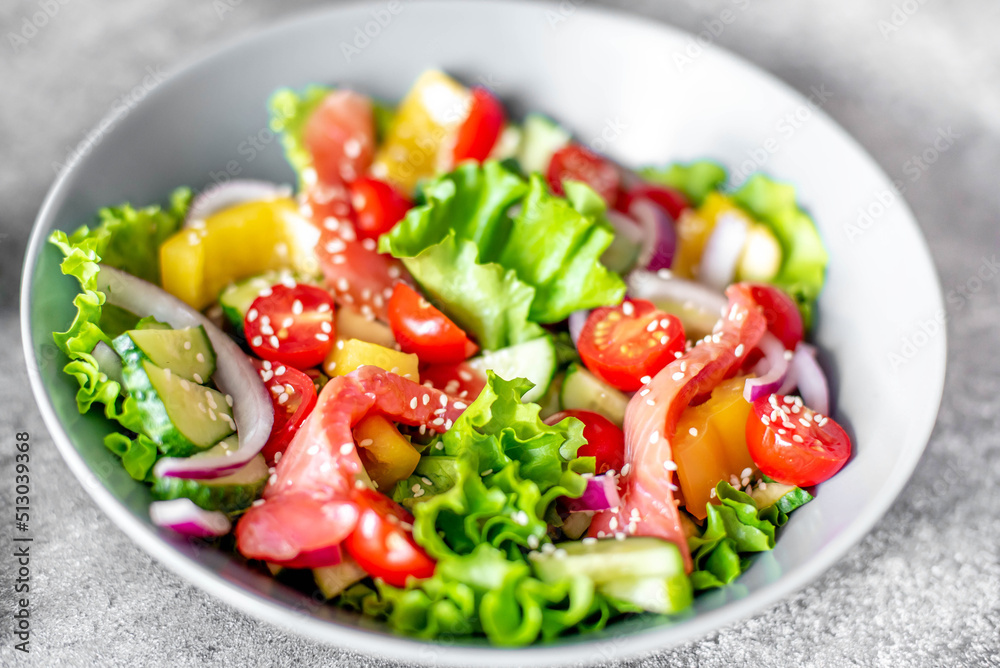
<point x="534" y="360"/>
<point x="540" y="138"/>
<point x="623" y="253"/>
<point x="108" y="362"/>
<point x="508" y="143"/>
<point x="584" y="391"/>
<point x="180" y="416"/>
<point x="643" y="571"/>
<point x="332" y="580"/>
<point x="236" y="298"/>
<point x="185" y="352"/>
<point x="229" y="494"/>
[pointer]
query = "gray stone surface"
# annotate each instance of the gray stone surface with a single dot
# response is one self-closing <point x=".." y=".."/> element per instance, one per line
<point x="922" y="589"/>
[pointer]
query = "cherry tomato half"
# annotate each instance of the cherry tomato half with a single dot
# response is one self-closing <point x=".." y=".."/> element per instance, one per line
<point x="421" y="329"/>
<point x="670" y="200"/>
<point x="783" y="317"/>
<point x="378" y="207"/>
<point x="628" y="342"/>
<point x="481" y="128"/>
<point x="605" y="441"/>
<point x="457" y="380"/>
<point x="381" y="545"/>
<point x="293" y="396"/>
<point x="792" y="444"/>
<point x="578" y="164"/>
<point x="291" y="325"/>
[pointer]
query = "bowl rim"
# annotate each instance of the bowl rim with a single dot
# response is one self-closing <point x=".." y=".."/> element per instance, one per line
<point x="403" y="648"/>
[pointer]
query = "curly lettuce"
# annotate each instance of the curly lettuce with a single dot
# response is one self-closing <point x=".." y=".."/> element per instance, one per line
<point x="128" y="239"/>
<point x="734" y="529"/>
<point x="500" y="254"/>
<point x="695" y="180"/>
<point x="492" y="477"/>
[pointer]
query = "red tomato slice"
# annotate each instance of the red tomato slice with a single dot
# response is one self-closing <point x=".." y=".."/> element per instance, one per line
<point x="356" y="273"/>
<point x="457" y="380"/>
<point x="577" y="163"/>
<point x="672" y="201"/>
<point x="605" y="441"/>
<point x="293" y="396"/>
<point x="383" y="547"/>
<point x="421" y="329"/>
<point x="340" y="135"/>
<point x="481" y="128"/>
<point x="794" y="445"/>
<point x="377" y="206"/>
<point x="293" y="326"/>
<point x="633" y="340"/>
<point x="783" y="317"/>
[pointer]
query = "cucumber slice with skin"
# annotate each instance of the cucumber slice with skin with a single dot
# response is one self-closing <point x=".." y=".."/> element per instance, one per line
<point x="333" y="580"/>
<point x="786" y="497"/>
<point x="180" y="416"/>
<point x="584" y="391"/>
<point x="550" y="402"/>
<point x="643" y="571"/>
<point x="229" y="494"/>
<point x="534" y="360"/>
<point x="540" y="138"/>
<point x="187" y="353"/>
<point x="236" y="298"/>
<point x="108" y="362"/>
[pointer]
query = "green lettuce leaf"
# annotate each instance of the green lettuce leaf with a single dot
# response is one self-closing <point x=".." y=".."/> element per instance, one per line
<point x="694" y="179"/>
<point x="498" y="275"/>
<point x="493" y="475"/>
<point x="486" y="592"/>
<point x="803" y="267"/>
<point x="128" y="239"/>
<point x="138" y="454"/>
<point x="290" y="110"/>
<point x="733" y="530"/>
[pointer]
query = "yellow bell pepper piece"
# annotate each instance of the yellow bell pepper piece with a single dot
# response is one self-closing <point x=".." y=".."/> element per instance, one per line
<point x="694" y="229"/>
<point x="710" y="444"/>
<point x="238" y="242"/>
<point x="387" y="455"/>
<point x="348" y="355"/>
<point x="419" y="140"/>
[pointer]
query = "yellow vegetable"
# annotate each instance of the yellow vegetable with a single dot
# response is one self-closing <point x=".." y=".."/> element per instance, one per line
<point x="420" y="138"/>
<point x="348" y="355"/>
<point x="243" y="240"/>
<point x="710" y="444"/>
<point x="387" y="455"/>
<point x="694" y="229"/>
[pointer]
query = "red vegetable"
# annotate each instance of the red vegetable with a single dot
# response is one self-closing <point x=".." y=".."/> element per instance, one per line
<point x="340" y="135"/>
<point x="482" y="127"/>
<point x="670" y="200"/>
<point x="377" y="206"/>
<point x="605" y="441"/>
<point x="293" y="396"/>
<point x="293" y="326"/>
<point x="381" y="545"/>
<point x="578" y="164"/>
<point x="421" y="329"/>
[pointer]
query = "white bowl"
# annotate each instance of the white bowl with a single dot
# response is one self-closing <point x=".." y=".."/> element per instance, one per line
<point x="620" y="82"/>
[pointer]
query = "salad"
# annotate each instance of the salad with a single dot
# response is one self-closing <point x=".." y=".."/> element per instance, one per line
<point x="466" y="376"/>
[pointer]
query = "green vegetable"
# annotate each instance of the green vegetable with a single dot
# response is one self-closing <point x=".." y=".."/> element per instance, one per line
<point x="803" y="270"/>
<point x="494" y="474"/>
<point x="490" y="593"/>
<point x="127" y="239"/>
<point x="694" y="180"/>
<point x="290" y="110"/>
<point x="229" y="494"/>
<point x="497" y="275"/>
<point x="732" y="531"/>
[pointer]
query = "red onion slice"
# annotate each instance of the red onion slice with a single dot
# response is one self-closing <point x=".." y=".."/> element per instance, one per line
<point x="810" y="379"/>
<point x="328" y="555"/>
<point x="577" y="319"/>
<point x="722" y="251"/>
<point x="234" y="375"/>
<point x="772" y="380"/>
<point x="224" y="195"/>
<point x="183" y="516"/>
<point x="661" y="234"/>
<point x="601" y="493"/>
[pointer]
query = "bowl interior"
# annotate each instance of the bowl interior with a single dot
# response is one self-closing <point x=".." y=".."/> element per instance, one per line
<point x="619" y="84"/>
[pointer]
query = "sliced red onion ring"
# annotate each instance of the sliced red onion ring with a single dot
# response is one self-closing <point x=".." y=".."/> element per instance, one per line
<point x="601" y="493"/>
<point x="183" y="516"/>
<point x="810" y="379"/>
<point x="722" y="251"/>
<point x="772" y="380"/>
<point x="234" y="375"/>
<point x="328" y="555"/>
<point x="661" y="234"/>
<point x="577" y="319"/>
<point x="224" y="195"/>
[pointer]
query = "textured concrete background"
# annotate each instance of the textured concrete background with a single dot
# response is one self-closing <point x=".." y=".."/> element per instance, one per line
<point x="923" y="589"/>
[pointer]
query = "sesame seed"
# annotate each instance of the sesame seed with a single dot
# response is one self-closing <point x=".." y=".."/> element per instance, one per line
<point x="620" y="535"/>
<point x="199" y="357"/>
<point x="413" y="403"/>
<point x="346" y="448"/>
<point x="274" y="341"/>
<point x="670" y="465"/>
<point x="287" y="322"/>
<point x="273" y="478"/>
<point x="677" y="375"/>
<point x="426" y="481"/>
<point x="198" y="379"/>
<point x="313" y="449"/>
<point x="266" y="329"/>
<point x="321" y="337"/>
<point x="627" y="308"/>
<point x="437" y="421"/>
<point x="664" y="323"/>
<point x="797" y="438"/>
<point x="368" y="244"/>
<point x="283" y="398"/>
<point x="626" y="468"/>
<point x="650" y="402"/>
<point x="711" y="493"/>
<point x="444" y="401"/>
<point x="266" y="292"/>
<point x="651" y="327"/>
<point x="187" y="345"/>
<point x="533" y="542"/>
<point x="645" y="380"/>
<point x="486" y="472"/>
<point x="654" y="437"/>
<point x="693" y="431"/>
<point x="425" y="399"/>
<point x="613" y="523"/>
<point x="229" y="400"/>
<point x="460" y="406"/>
<point x="739" y="350"/>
